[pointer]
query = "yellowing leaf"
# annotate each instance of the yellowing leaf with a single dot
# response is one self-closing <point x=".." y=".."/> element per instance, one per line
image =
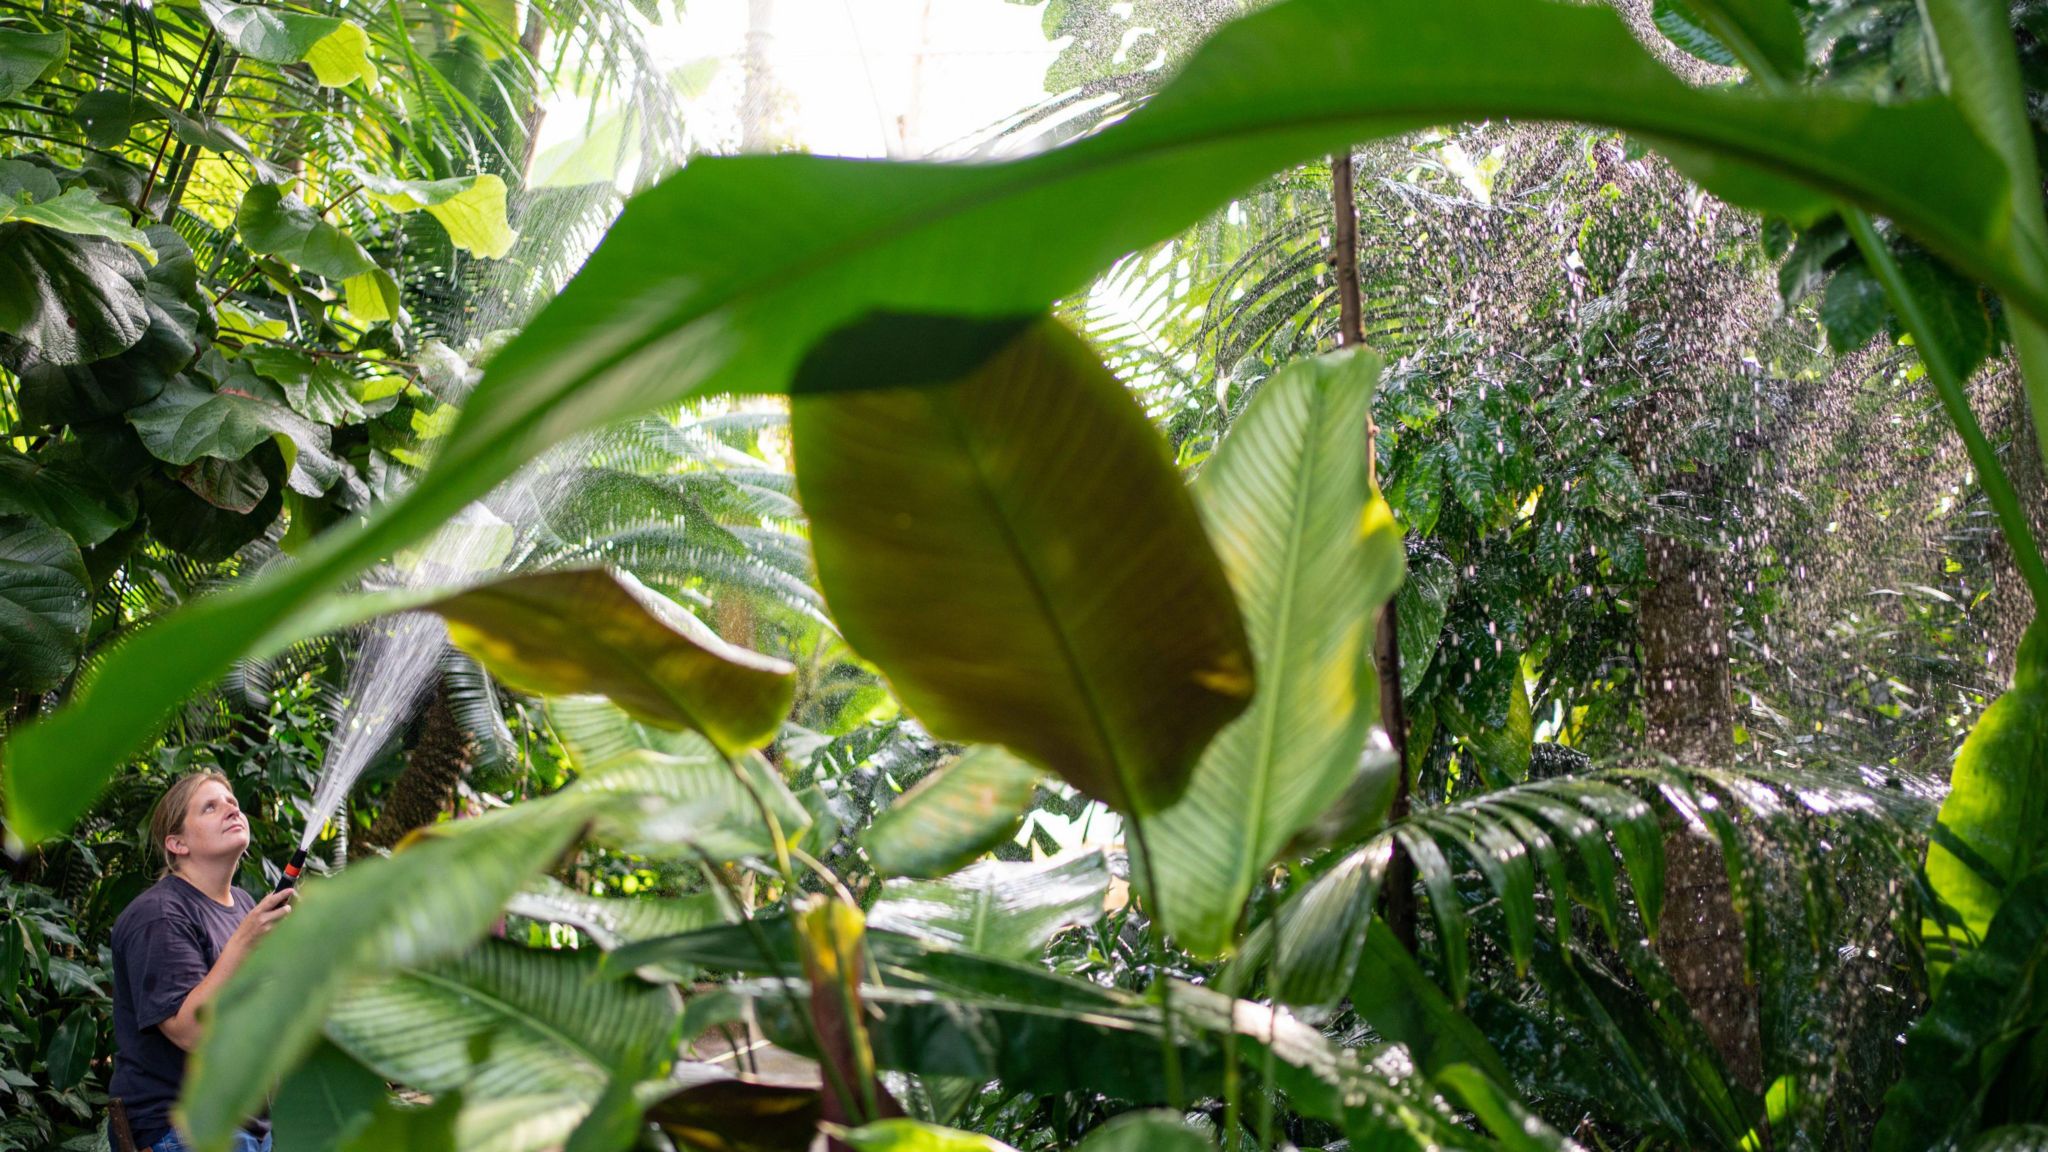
<point x="471" y="208"/>
<point x="342" y="57"/>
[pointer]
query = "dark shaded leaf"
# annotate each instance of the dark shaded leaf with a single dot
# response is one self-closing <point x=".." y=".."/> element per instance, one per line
<point x="1036" y="576"/>
<point x="45" y="605"/>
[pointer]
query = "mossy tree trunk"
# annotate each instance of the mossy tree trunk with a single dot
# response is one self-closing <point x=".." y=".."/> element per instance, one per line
<point x="434" y="768"/>
<point x="1690" y="714"/>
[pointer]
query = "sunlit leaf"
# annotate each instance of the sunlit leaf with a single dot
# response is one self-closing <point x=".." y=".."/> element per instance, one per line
<point x="471" y="208"/>
<point x="997" y="908"/>
<point x="1311" y="553"/>
<point x="45" y="605"/>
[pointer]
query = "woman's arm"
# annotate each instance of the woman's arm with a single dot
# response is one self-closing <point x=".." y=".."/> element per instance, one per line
<point x="183" y="1028"/>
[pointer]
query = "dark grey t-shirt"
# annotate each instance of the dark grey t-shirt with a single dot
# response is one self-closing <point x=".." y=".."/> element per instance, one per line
<point x="165" y="943"/>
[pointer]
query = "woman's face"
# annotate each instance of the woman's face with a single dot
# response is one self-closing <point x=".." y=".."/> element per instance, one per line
<point x="214" y="825"/>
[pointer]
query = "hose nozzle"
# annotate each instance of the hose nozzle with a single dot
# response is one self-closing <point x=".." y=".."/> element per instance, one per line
<point x="290" y="878"/>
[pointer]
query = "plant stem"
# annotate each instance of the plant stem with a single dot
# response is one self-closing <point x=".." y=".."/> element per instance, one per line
<point x="1386" y="638"/>
<point x="1169" y="1045"/>
<point x="1927" y="339"/>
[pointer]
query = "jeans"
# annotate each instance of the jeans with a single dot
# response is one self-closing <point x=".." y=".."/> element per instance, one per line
<point x="243" y="1143"/>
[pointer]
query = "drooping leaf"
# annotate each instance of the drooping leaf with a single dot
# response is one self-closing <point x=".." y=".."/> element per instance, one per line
<point x="740" y="1116"/>
<point x="1311" y="553"/>
<point x="188" y="421"/>
<point x="997" y="908"/>
<point x="45" y="605"/>
<point x="965" y="808"/>
<point x="273" y="224"/>
<point x="1765" y="31"/>
<point x="26" y="57"/>
<point x="71" y="1049"/>
<point x="1853" y="309"/>
<point x="337" y="50"/>
<point x="81" y="213"/>
<point x="471" y="208"/>
<point x="1997" y="805"/>
<point x="109" y="116"/>
<point x="1317" y="937"/>
<point x="75" y="298"/>
<point x="563" y="633"/>
<point x="709" y="312"/>
<point x="1391" y="992"/>
<point x="319" y="389"/>
<point x="1036" y="576"/>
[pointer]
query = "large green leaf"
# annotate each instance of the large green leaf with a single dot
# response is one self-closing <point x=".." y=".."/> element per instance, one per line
<point x="26" y="56"/>
<point x="997" y="908"/>
<point x="580" y="632"/>
<point x="965" y="808"/>
<point x="45" y="605"/>
<point x="188" y="421"/>
<point x="273" y="224"/>
<point x="61" y="490"/>
<point x="1996" y="812"/>
<point x="723" y="277"/>
<point x="905" y="1135"/>
<point x="501" y="1021"/>
<point x="1978" y="1055"/>
<point x="76" y="299"/>
<point x="1311" y="553"/>
<point x="337" y="50"/>
<point x="1018" y="555"/>
<point x="79" y="212"/>
<point x="422" y="905"/>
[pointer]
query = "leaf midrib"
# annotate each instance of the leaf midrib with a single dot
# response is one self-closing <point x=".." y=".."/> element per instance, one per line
<point x="942" y="403"/>
<point x="594" y="1063"/>
<point x="1251" y="845"/>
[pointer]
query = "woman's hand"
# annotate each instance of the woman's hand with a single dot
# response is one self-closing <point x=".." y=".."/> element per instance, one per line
<point x="261" y="919"/>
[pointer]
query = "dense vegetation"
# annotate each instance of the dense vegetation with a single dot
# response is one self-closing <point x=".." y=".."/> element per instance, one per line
<point x="1330" y="604"/>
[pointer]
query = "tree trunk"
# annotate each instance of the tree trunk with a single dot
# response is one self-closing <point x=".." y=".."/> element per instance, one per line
<point x="1686" y="700"/>
<point x="436" y="764"/>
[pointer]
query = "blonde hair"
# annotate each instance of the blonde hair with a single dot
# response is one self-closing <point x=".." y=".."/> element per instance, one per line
<point x="167" y="819"/>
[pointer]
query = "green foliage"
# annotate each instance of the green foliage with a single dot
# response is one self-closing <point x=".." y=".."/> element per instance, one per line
<point x="1321" y="76"/>
<point x="1976" y="1060"/>
<point x="1997" y="805"/>
<point x="1311" y="553"/>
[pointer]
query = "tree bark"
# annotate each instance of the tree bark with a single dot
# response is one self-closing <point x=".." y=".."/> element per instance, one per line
<point x="1683" y="633"/>
<point x="433" y="769"/>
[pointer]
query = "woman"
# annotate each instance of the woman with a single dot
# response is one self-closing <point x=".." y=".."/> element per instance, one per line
<point x="174" y="947"/>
